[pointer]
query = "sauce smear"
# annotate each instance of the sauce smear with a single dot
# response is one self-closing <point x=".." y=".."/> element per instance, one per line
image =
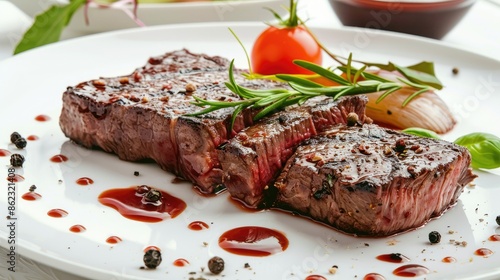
<point x="373" y="276"/>
<point x="253" y="241"/>
<point x="59" y="158"/>
<point x="77" y="228"/>
<point x="198" y="225"/>
<point x="129" y="203"/>
<point x="31" y="196"/>
<point x="113" y="239"/>
<point x="57" y="213"/>
<point x="393" y="258"/>
<point x="152" y="247"/>
<point x="84" y="181"/>
<point x="42" y="118"/>
<point x="411" y="270"/>
<point x="181" y="262"/>
<point x="4" y="153"/>
<point x="32" y="138"/>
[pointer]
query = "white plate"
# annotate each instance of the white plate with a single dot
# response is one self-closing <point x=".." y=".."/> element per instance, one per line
<point x="32" y="83"/>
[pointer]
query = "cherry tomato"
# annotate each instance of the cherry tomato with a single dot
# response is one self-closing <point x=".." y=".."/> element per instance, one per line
<point x="277" y="47"/>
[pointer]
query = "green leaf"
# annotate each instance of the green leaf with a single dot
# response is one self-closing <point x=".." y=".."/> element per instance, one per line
<point x="422" y="132"/>
<point x="48" y="26"/>
<point x="484" y="149"/>
<point x="421" y="73"/>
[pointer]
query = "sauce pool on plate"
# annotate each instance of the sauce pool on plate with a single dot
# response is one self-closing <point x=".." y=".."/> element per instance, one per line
<point x="253" y="241"/>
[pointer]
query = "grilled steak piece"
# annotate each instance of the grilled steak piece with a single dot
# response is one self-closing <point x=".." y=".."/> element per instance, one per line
<point x="373" y="181"/>
<point x="254" y="157"/>
<point x="141" y="115"/>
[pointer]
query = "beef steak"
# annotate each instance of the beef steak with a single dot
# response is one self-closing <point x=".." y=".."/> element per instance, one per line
<point x="142" y="115"/>
<point x="372" y="181"/>
<point x="253" y="158"/>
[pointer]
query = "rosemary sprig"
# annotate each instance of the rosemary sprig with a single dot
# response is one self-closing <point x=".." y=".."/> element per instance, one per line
<point x="353" y="82"/>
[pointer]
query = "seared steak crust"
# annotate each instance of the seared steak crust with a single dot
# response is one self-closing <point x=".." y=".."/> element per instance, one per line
<point x="253" y="158"/>
<point x="373" y="181"/>
<point x="142" y="115"/>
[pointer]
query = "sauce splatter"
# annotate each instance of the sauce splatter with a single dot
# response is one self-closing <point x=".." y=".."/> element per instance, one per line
<point x="411" y="270"/>
<point x="57" y="213"/>
<point x="77" y="228"/>
<point x="449" y="259"/>
<point x="483" y="252"/>
<point x="84" y="181"/>
<point x="59" y="158"/>
<point x="15" y="178"/>
<point x="4" y="153"/>
<point x="181" y="262"/>
<point x="494" y="237"/>
<point x="113" y="240"/>
<point x="253" y="241"/>
<point x="32" y="138"/>
<point x="373" y="276"/>
<point x="393" y="258"/>
<point x="130" y="204"/>
<point x="315" y="277"/>
<point x="198" y="225"/>
<point x="31" y="196"/>
<point x="42" y="118"/>
<point x="152" y="247"/>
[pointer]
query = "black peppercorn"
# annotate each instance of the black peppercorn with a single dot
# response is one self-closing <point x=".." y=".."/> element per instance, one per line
<point x="152" y="258"/>
<point x="32" y="188"/>
<point x="20" y="143"/>
<point x="17" y="160"/>
<point x="14" y="136"/>
<point x="153" y="196"/>
<point x="352" y="119"/>
<point x="498" y="220"/>
<point x="136" y="173"/>
<point x="400" y="145"/>
<point x="434" y="237"/>
<point x="142" y="189"/>
<point x="216" y="265"/>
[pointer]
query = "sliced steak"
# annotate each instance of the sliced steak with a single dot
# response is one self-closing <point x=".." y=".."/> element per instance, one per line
<point x="373" y="181"/>
<point x="141" y="116"/>
<point x="254" y="157"/>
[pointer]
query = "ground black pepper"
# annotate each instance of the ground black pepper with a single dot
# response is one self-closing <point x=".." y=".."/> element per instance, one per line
<point x="216" y="265"/>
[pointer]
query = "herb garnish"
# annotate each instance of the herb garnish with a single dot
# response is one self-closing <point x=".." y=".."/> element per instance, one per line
<point x="49" y="25"/>
<point x="348" y="80"/>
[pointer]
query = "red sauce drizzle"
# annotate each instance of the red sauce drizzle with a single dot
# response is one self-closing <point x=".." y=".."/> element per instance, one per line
<point x="4" y="153"/>
<point x="494" y="237"/>
<point x="130" y="205"/>
<point x="59" y="158"/>
<point x="245" y="241"/>
<point x="113" y="240"/>
<point x="77" y="228"/>
<point x="15" y="178"/>
<point x="32" y="138"/>
<point x="315" y="277"/>
<point x="42" y="118"/>
<point x="31" y="196"/>
<point x="198" y="225"/>
<point x="411" y="270"/>
<point x="181" y="262"/>
<point x="484" y="252"/>
<point x="178" y="180"/>
<point x="241" y="205"/>
<point x="151" y="248"/>
<point x="57" y="213"/>
<point x="84" y="181"/>
<point x="393" y="258"/>
<point x="449" y="260"/>
<point x="373" y="276"/>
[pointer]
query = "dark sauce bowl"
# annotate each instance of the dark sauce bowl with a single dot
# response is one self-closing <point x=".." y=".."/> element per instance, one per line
<point x="428" y="18"/>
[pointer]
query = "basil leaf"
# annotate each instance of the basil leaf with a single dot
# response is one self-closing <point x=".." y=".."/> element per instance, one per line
<point x="48" y="26"/>
<point x="484" y="149"/>
<point x="421" y="73"/>
<point x="422" y="132"/>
